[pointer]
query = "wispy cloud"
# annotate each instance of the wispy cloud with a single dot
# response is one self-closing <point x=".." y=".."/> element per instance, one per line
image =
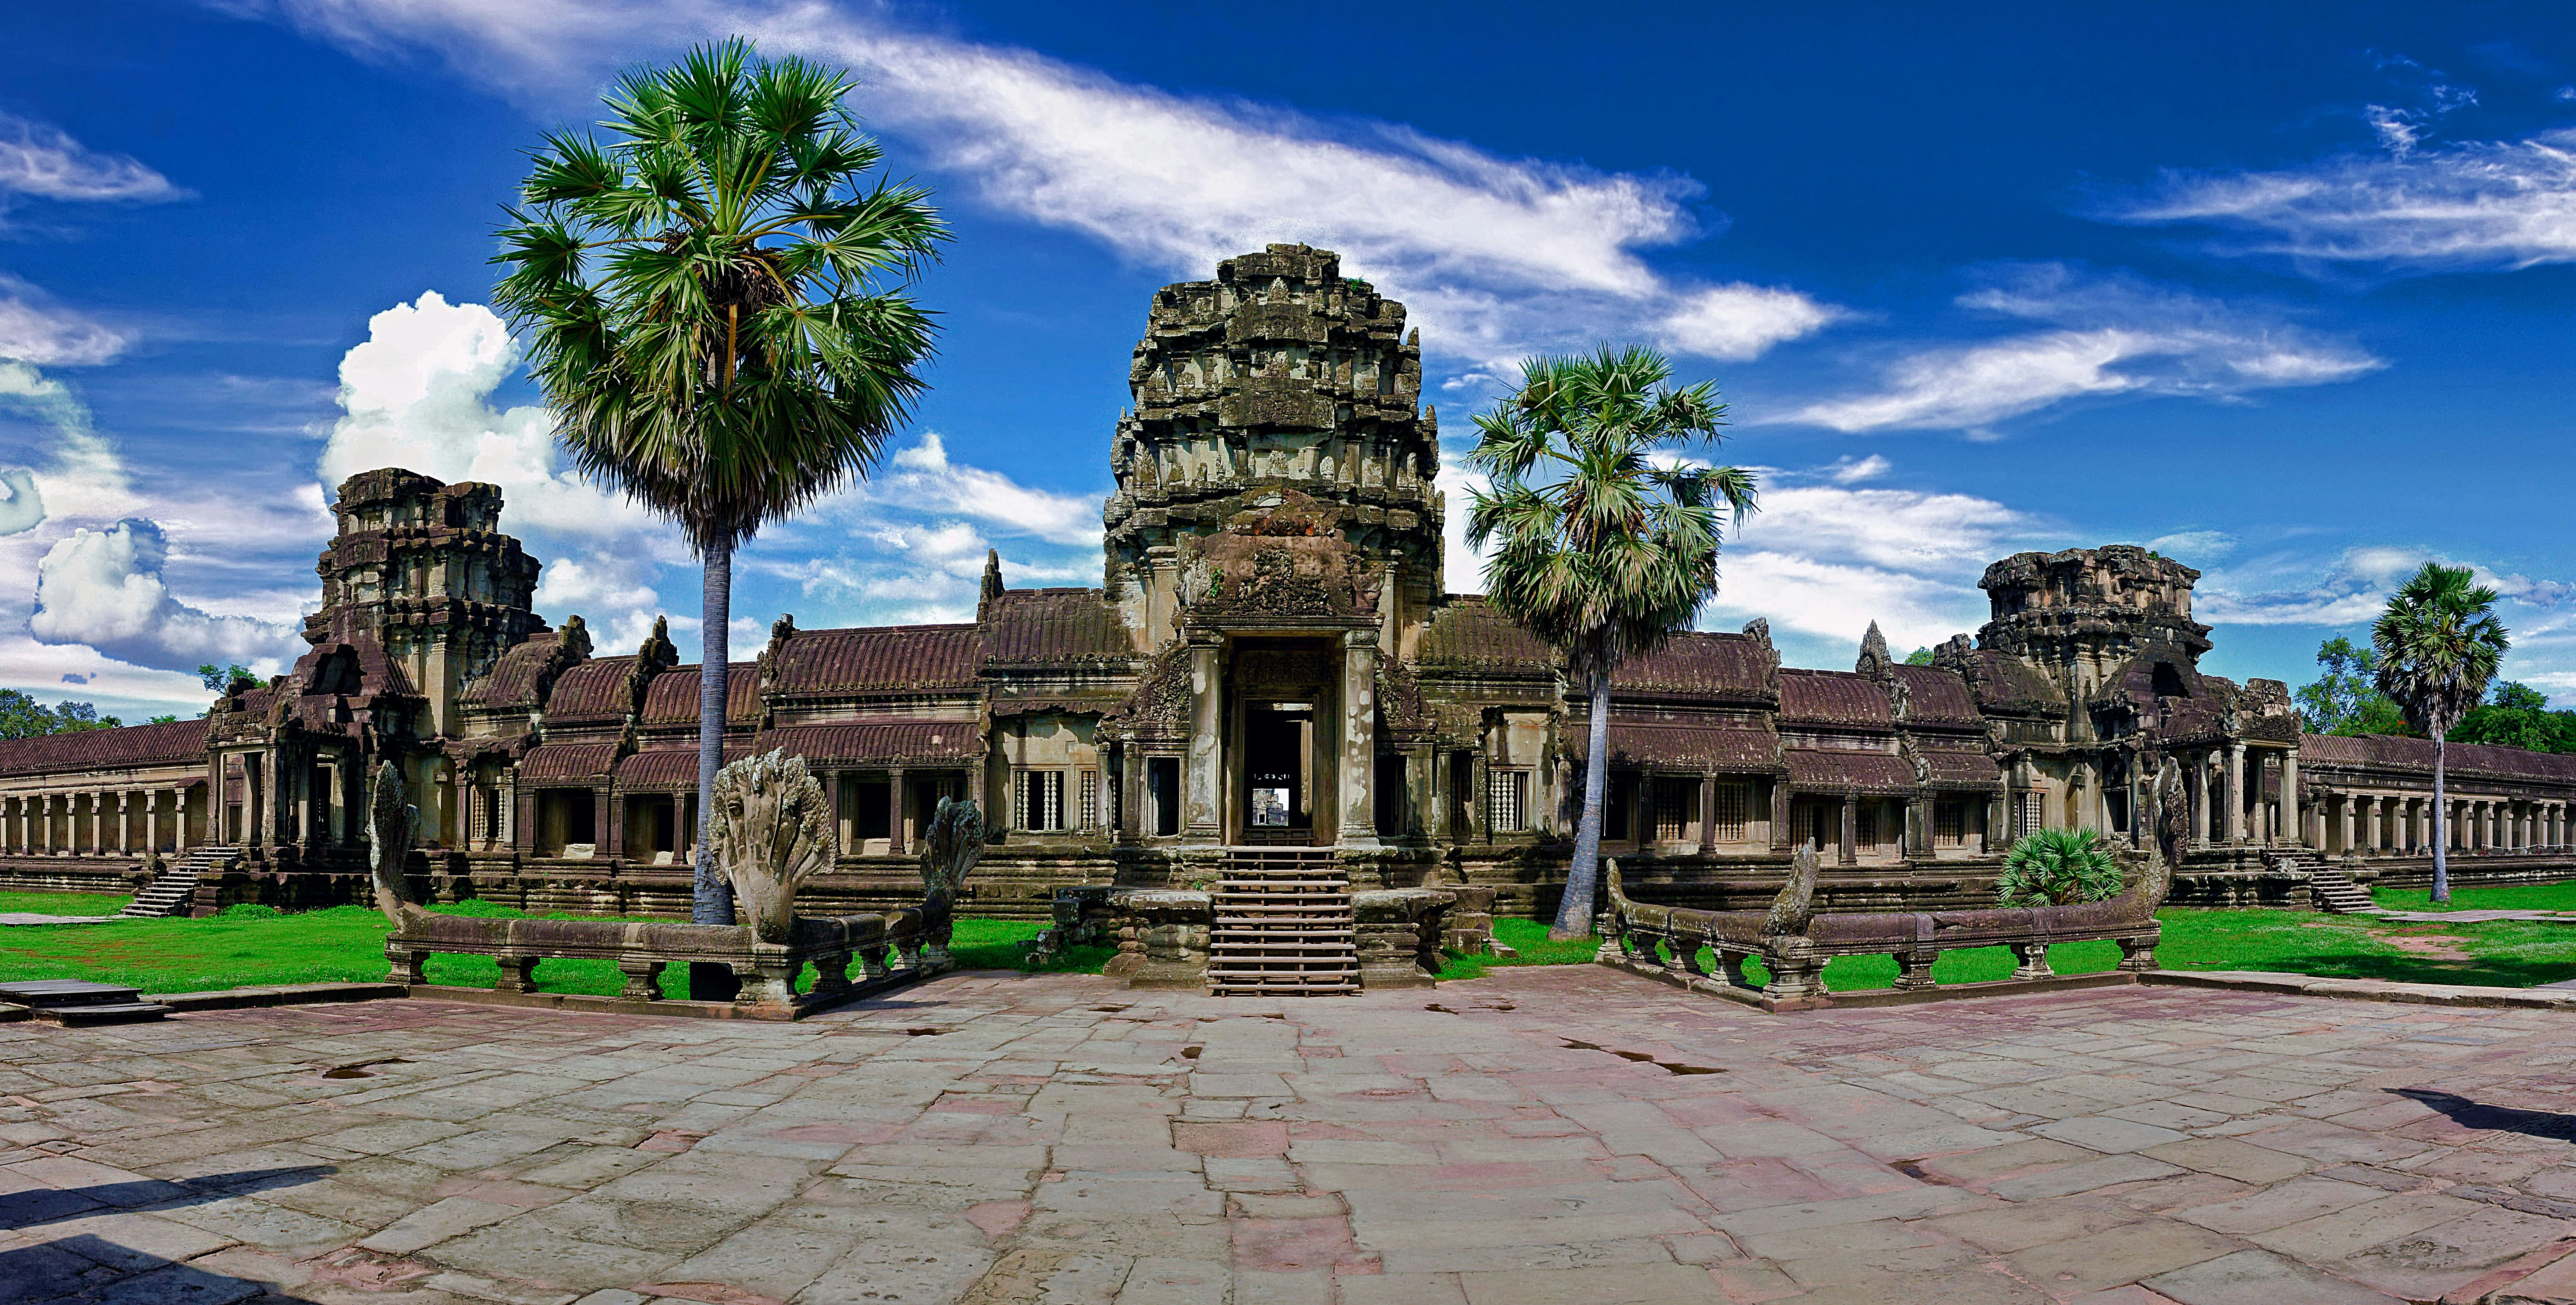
<point x="2476" y="205"/>
<point x="2110" y="335"/>
<point x="34" y="328"/>
<point x="1497" y="256"/>
<point x="40" y="159"/>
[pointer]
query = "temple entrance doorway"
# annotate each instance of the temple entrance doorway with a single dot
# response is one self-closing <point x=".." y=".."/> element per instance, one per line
<point x="1278" y="797"/>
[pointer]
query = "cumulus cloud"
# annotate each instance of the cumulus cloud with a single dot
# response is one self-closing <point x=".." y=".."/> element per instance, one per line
<point x="2475" y="205"/>
<point x="43" y="160"/>
<point x="1497" y="256"/>
<point x="2109" y="335"/>
<point x="104" y="588"/>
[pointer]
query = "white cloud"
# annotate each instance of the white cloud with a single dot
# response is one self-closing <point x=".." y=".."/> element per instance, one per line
<point x="1849" y="471"/>
<point x="2194" y="547"/>
<point x="921" y="477"/>
<point x="105" y="589"/>
<point x="1497" y="256"/>
<point x="2113" y="335"/>
<point x="35" y="329"/>
<point x="2473" y="205"/>
<point x="40" y="159"/>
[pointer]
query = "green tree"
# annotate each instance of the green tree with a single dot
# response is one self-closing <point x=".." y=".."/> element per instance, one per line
<point x="2346" y="699"/>
<point x="23" y="717"/>
<point x="221" y="679"/>
<point x="2434" y="650"/>
<point x="2518" y="716"/>
<point x="714" y="292"/>
<point x="1919" y="657"/>
<point x="1605" y="533"/>
<point x="2057" y="867"/>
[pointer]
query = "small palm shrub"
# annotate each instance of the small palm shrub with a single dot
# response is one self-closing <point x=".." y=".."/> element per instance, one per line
<point x="2056" y="867"/>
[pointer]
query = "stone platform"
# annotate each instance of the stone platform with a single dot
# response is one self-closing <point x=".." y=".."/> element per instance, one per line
<point x="1543" y="1135"/>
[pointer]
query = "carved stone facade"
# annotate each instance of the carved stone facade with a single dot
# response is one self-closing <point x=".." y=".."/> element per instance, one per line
<point x="1273" y="659"/>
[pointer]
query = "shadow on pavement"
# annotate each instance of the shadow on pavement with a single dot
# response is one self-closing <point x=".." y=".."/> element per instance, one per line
<point x="2503" y="1119"/>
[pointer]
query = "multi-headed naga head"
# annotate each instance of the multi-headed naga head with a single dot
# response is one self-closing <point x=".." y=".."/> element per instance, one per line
<point x="772" y="830"/>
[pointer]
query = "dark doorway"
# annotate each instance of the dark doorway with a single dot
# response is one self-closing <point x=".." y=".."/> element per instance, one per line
<point x="1163" y="794"/>
<point x="1275" y="804"/>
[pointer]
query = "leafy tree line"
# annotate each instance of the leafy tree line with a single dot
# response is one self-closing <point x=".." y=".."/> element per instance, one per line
<point x="22" y="717"/>
<point x="2346" y="700"/>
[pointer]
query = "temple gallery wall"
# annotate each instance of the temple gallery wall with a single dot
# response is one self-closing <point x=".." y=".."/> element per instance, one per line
<point x="1273" y="659"/>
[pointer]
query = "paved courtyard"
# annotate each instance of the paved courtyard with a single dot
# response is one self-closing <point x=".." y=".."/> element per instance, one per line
<point x="1543" y="1135"/>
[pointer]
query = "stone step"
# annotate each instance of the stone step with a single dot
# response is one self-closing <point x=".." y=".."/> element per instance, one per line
<point x="52" y="994"/>
<point x="123" y="1012"/>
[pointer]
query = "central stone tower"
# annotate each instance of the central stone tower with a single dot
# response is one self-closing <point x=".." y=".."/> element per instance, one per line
<point x="1278" y="382"/>
<point x="2083" y="614"/>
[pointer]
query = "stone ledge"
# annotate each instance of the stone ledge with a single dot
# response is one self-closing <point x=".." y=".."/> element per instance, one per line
<point x="671" y="1006"/>
<point x="290" y="994"/>
<point x="2309" y="985"/>
<point x="1712" y="986"/>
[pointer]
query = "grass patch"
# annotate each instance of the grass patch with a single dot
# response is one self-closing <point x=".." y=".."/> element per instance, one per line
<point x="2509" y="897"/>
<point x="258" y="946"/>
<point x="62" y="903"/>
<point x="2502" y="953"/>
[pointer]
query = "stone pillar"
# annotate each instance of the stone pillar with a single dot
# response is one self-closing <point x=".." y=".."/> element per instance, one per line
<point x="1850" y="832"/>
<point x="1358" y="766"/>
<point x="1707" y="814"/>
<point x="1202" y="815"/>
<point x="895" y="841"/>
<point x="124" y="825"/>
<point x="2292" y="817"/>
<point x="2236" y="792"/>
<point x="2344" y="815"/>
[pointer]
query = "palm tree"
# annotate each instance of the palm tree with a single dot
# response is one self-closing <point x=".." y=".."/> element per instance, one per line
<point x="2057" y="867"/>
<point x="1605" y="534"/>
<point x="712" y="290"/>
<point x="2435" y="648"/>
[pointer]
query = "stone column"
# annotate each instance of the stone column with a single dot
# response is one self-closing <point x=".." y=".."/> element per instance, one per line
<point x="1707" y="814"/>
<point x="1850" y="832"/>
<point x="151" y="820"/>
<point x="46" y="827"/>
<point x="895" y="842"/>
<point x="2236" y="792"/>
<point x="124" y="826"/>
<point x="1358" y="824"/>
<point x="2343" y="803"/>
<point x="2292" y="817"/>
<point x="1202" y="814"/>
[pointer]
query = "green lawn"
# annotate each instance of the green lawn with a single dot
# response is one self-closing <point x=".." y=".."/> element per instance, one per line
<point x="62" y="903"/>
<point x="2514" y="897"/>
<point x="254" y="946"/>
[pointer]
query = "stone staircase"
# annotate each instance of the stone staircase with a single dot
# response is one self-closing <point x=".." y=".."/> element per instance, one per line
<point x="176" y="887"/>
<point x="1283" y="926"/>
<point x="2337" y="894"/>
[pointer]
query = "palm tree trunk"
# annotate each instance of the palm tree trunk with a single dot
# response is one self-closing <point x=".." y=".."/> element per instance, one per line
<point x="1583" y="876"/>
<point x="2441" y="834"/>
<point x="710" y="896"/>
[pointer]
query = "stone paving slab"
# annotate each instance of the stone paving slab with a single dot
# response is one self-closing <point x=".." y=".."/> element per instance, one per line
<point x="1564" y="1134"/>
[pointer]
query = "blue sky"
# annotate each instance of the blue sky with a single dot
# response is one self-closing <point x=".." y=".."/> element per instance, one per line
<point x="2279" y="296"/>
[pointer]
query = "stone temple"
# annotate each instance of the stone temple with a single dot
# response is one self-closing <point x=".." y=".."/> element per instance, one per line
<point x="1274" y="659"/>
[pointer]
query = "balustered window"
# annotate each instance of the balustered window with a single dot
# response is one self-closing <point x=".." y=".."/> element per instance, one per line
<point x="1734" y="811"/>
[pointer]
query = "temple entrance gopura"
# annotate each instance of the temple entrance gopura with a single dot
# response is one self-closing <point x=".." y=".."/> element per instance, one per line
<point x="1273" y="663"/>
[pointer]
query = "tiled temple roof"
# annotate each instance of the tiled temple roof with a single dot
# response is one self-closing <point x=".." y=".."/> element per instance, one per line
<point x="672" y="699"/>
<point x="512" y="681"/>
<point x="1961" y="768"/>
<point x="1936" y="695"/>
<point x="1699" y="664"/>
<point x="879" y="743"/>
<point x="1833" y="698"/>
<point x="1825" y="770"/>
<point x="1691" y="747"/>
<point x="568" y="763"/>
<point x="2397" y="752"/>
<point x="175" y="743"/>
<point x="2007" y="683"/>
<point x="878" y="659"/>
<point x="1471" y="634"/>
<point x="669" y="768"/>
<point x="597" y="687"/>
<point x="1053" y="627"/>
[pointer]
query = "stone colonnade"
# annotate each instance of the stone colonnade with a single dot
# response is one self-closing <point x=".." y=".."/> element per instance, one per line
<point x="117" y="821"/>
<point x="2401" y="824"/>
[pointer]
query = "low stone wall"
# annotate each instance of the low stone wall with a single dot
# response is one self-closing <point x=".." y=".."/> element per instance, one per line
<point x="112" y="875"/>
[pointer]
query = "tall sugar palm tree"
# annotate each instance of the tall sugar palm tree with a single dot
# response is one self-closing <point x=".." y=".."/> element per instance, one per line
<point x="2435" y="648"/>
<point x="713" y="289"/>
<point x="1605" y="533"/>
